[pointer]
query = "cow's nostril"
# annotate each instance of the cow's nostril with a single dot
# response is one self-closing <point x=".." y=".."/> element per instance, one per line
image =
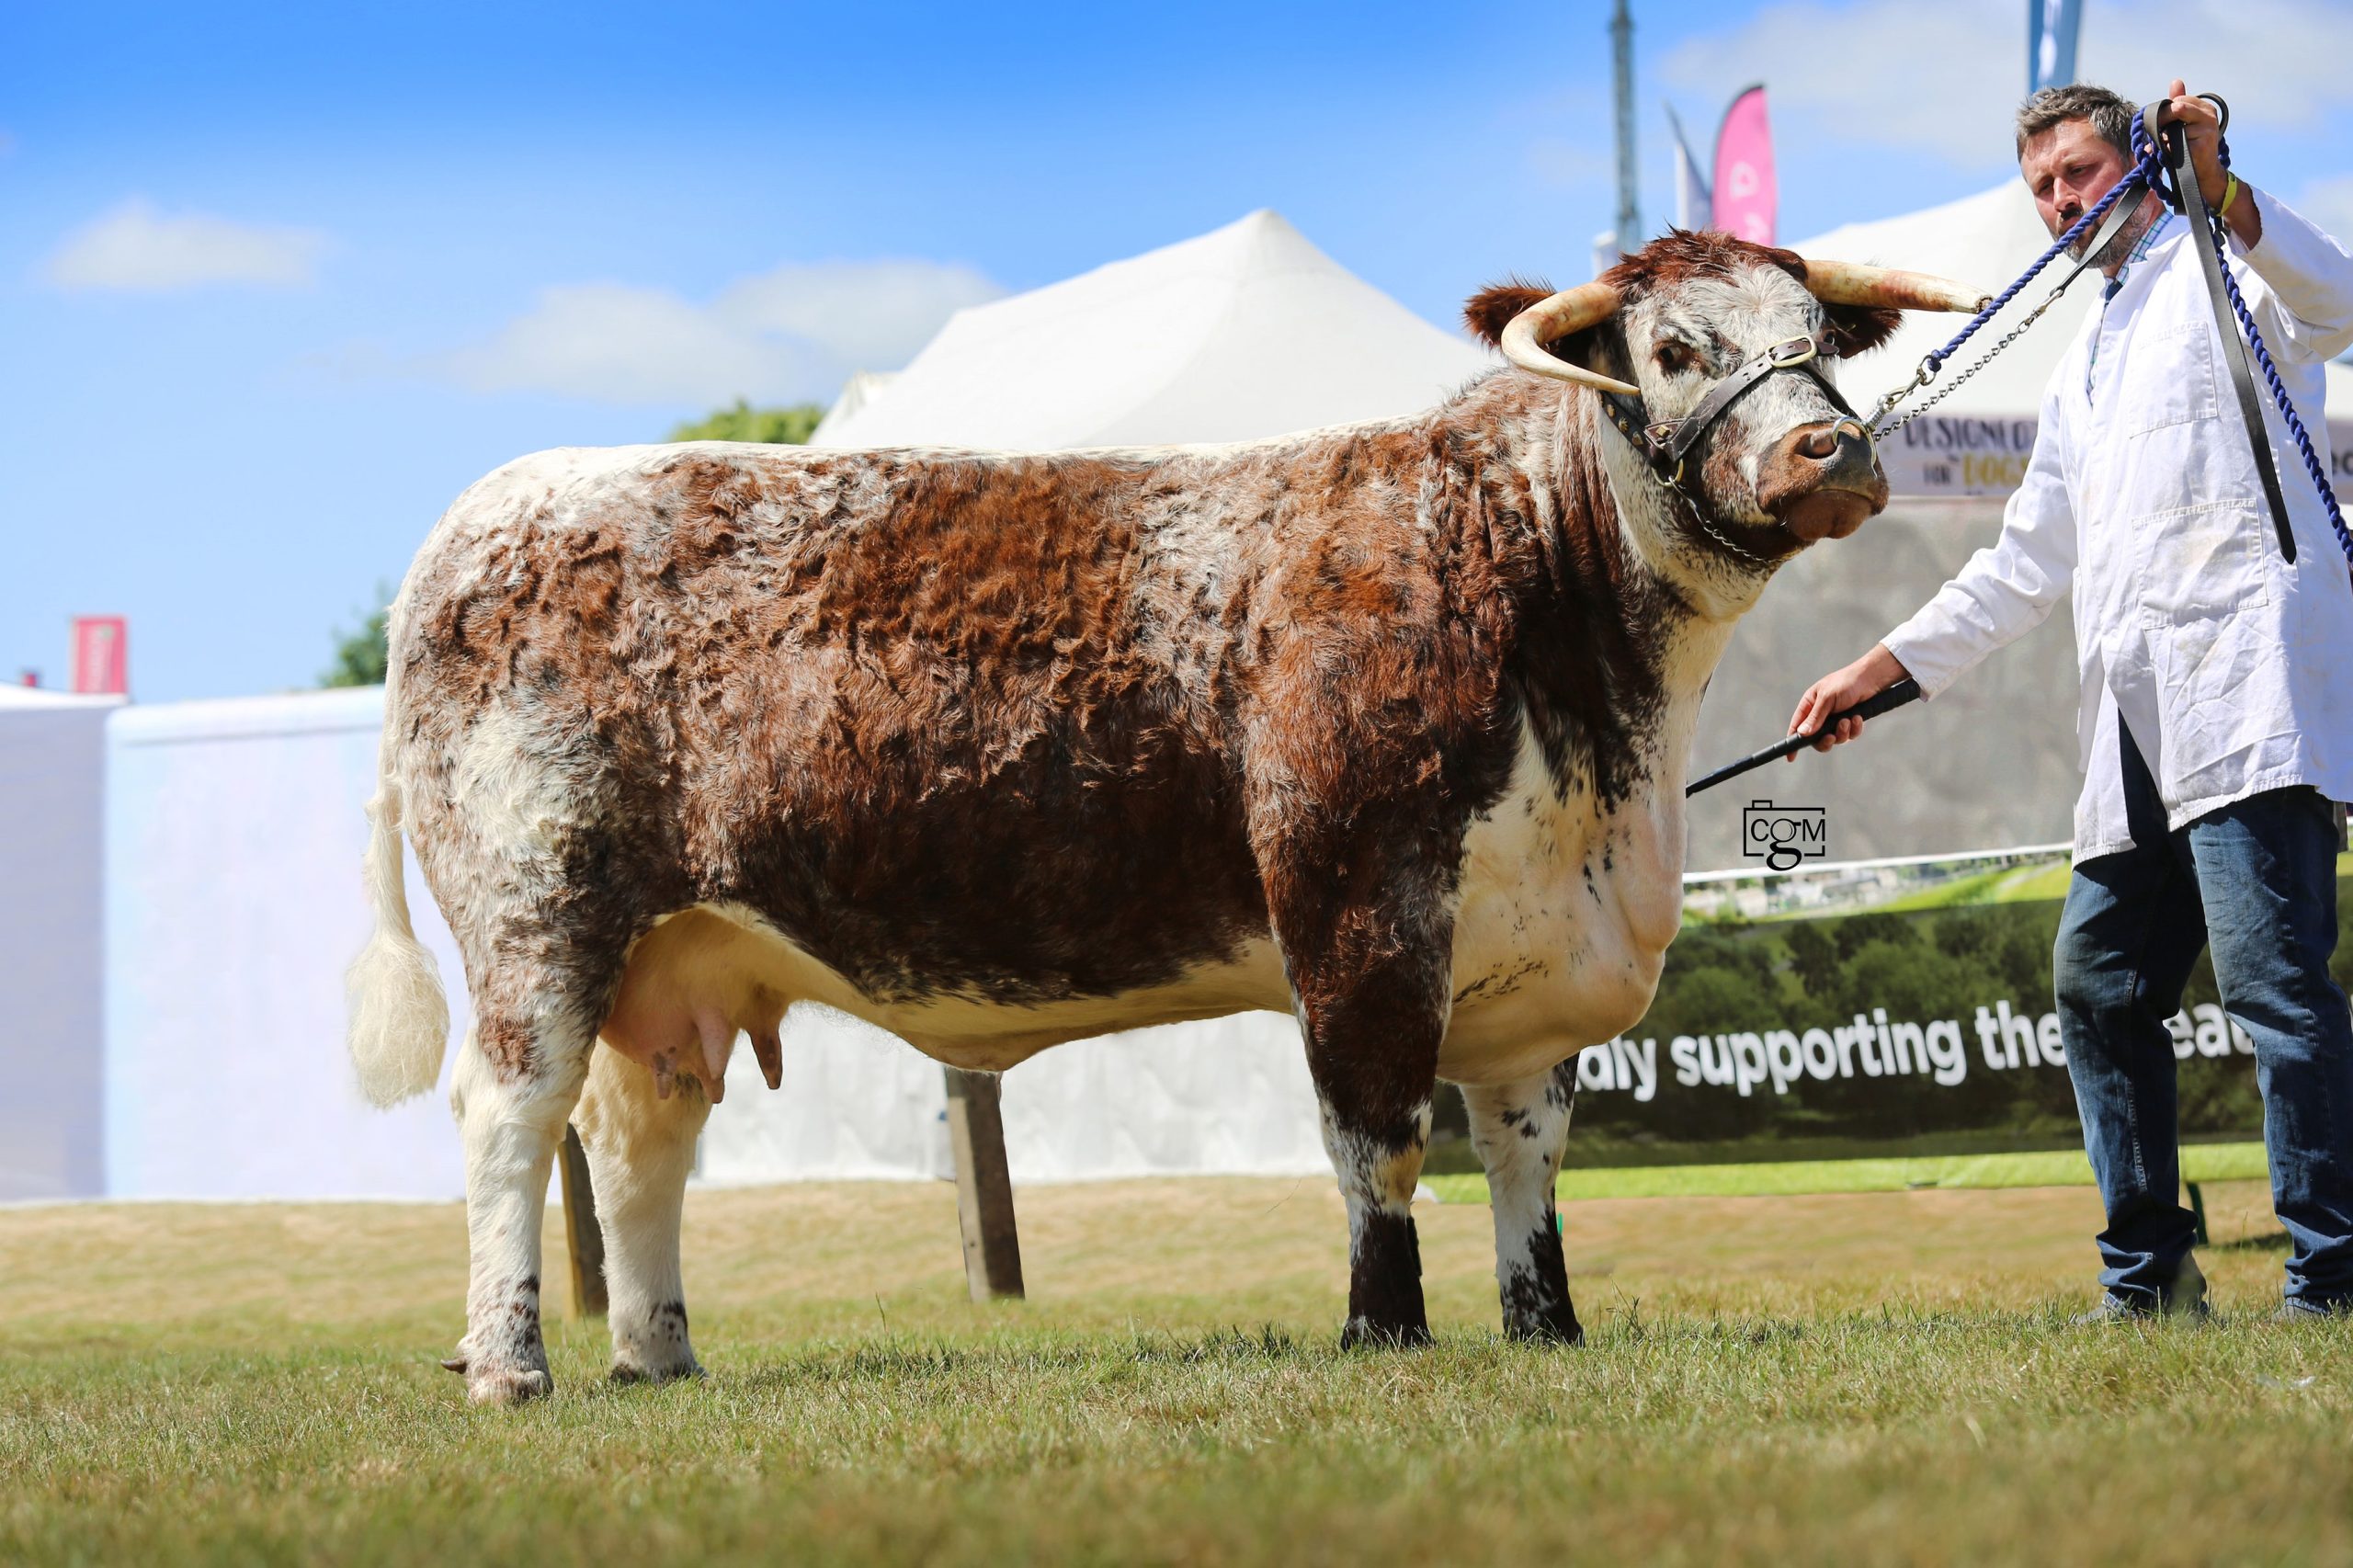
<point x="1818" y="443"/>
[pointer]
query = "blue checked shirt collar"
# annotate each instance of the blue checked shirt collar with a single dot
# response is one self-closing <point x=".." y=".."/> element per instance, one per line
<point x="2147" y="243"/>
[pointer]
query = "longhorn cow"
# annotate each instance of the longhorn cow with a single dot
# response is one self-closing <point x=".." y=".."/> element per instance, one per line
<point x="1383" y="724"/>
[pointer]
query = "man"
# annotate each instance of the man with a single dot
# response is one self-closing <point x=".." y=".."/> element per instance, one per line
<point x="2217" y="696"/>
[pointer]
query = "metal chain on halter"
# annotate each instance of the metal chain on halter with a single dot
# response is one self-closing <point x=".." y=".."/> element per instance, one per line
<point x="1881" y="430"/>
<point x="1700" y="517"/>
<point x="2141" y="176"/>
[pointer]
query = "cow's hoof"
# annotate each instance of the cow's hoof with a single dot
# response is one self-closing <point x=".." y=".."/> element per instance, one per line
<point x="509" y="1387"/>
<point x="1364" y="1333"/>
<point x="1553" y="1324"/>
<point x="1566" y="1335"/>
<point x="628" y="1373"/>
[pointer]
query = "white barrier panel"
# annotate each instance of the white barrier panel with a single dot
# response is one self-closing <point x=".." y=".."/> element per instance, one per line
<point x="855" y="1105"/>
<point x="234" y="902"/>
<point x="51" y="1046"/>
<point x="1226" y="1094"/>
<point x="234" y="835"/>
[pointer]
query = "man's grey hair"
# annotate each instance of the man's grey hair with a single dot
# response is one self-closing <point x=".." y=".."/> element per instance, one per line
<point x="2110" y="116"/>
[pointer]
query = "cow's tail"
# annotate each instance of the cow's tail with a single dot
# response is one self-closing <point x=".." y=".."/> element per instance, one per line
<point x="400" y="1019"/>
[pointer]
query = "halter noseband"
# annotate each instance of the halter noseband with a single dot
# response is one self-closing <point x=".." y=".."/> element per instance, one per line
<point x="1665" y="443"/>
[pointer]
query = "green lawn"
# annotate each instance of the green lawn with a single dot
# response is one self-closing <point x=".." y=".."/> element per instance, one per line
<point x="2201" y="1162"/>
<point x="1843" y="1377"/>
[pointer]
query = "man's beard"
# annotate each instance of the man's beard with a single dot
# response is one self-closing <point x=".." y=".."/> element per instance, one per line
<point x="2146" y="211"/>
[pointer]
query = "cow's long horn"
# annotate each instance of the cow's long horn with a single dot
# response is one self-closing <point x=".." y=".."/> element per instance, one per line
<point x="1850" y="283"/>
<point x="1571" y="310"/>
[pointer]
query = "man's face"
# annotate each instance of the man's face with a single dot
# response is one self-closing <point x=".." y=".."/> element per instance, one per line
<point x="2069" y="168"/>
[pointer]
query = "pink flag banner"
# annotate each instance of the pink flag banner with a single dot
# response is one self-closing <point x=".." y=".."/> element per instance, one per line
<point x="1746" y="194"/>
<point x="101" y="655"/>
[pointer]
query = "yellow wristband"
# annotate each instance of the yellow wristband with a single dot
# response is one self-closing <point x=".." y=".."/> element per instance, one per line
<point x="2230" y="194"/>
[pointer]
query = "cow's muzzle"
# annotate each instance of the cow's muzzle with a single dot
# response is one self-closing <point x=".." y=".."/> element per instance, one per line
<point x="1822" y="482"/>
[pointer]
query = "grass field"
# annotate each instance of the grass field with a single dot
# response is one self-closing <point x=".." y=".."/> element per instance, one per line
<point x="2201" y="1162"/>
<point x="1847" y="1377"/>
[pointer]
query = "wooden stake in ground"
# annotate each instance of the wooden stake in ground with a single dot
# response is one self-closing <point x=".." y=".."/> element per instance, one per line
<point x="983" y="1189"/>
<point x="583" y="1237"/>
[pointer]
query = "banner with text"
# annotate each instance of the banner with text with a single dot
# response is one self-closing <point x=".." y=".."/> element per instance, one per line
<point x="1954" y="456"/>
<point x="1879" y="1027"/>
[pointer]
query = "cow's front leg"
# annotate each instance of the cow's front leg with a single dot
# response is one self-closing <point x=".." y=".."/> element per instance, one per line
<point x="1376" y="1142"/>
<point x="1374" y="1017"/>
<point x="511" y="1113"/>
<point x="1519" y="1130"/>
<point x="640" y="1149"/>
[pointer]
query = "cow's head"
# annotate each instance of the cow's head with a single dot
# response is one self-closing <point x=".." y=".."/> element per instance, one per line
<point x="1781" y="464"/>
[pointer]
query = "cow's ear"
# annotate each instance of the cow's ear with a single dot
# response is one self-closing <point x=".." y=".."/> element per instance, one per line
<point x="1856" y="329"/>
<point x="1489" y="310"/>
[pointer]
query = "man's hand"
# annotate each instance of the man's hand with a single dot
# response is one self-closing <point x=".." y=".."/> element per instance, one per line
<point x="1842" y="689"/>
<point x="2204" y="125"/>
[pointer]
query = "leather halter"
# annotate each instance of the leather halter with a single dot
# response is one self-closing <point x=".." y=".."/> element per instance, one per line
<point x="1665" y="443"/>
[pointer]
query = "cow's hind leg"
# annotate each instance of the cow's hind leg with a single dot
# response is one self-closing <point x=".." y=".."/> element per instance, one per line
<point x="1519" y="1130"/>
<point x="516" y="1084"/>
<point x="640" y="1149"/>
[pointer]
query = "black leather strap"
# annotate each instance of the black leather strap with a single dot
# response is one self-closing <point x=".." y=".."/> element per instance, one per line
<point x="2192" y="203"/>
<point x="1665" y="443"/>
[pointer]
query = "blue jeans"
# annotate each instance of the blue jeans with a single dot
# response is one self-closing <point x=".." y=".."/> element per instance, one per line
<point x="2258" y="879"/>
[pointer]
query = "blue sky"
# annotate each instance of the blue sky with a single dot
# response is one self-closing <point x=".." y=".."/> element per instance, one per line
<point x="276" y="283"/>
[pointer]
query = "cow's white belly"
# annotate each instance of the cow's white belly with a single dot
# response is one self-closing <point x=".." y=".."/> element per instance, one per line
<point x="1566" y="917"/>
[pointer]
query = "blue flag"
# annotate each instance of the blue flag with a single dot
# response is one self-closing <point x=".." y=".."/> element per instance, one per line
<point x="2051" y="29"/>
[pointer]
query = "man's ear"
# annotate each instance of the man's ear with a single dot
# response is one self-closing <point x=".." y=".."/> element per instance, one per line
<point x="1489" y="310"/>
<point x="1858" y="329"/>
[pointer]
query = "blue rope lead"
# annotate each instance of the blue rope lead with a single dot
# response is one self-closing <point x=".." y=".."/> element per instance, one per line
<point x="2312" y="466"/>
<point x="2142" y="176"/>
<point x="2148" y="173"/>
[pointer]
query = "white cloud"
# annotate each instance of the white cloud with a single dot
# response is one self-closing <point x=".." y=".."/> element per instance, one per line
<point x="1945" y="77"/>
<point x="2329" y="203"/>
<point x="2279" y="62"/>
<point x="797" y="331"/>
<point x="135" y="247"/>
<point x="872" y="315"/>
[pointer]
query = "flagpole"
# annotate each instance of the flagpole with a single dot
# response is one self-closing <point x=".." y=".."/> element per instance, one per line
<point x="1622" y="49"/>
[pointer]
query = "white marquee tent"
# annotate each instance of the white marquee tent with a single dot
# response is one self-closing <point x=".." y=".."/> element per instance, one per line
<point x="1243" y="332"/>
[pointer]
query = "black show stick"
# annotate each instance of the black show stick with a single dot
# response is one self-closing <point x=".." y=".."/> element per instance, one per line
<point x="1894" y="697"/>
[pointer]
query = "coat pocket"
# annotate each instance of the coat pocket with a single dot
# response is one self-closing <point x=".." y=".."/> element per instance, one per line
<point x="2169" y="378"/>
<point x="2206" y="599"/>
<point x="2200" y="563"/>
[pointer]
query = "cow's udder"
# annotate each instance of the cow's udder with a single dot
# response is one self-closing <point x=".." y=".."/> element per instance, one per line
<point x="689" y="988"/>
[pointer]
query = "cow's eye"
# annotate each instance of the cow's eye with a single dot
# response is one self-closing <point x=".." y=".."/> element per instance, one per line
<point x="1673" y="358"/>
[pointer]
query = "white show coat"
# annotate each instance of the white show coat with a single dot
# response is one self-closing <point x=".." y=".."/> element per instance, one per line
<point x="2232" y="669"/>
